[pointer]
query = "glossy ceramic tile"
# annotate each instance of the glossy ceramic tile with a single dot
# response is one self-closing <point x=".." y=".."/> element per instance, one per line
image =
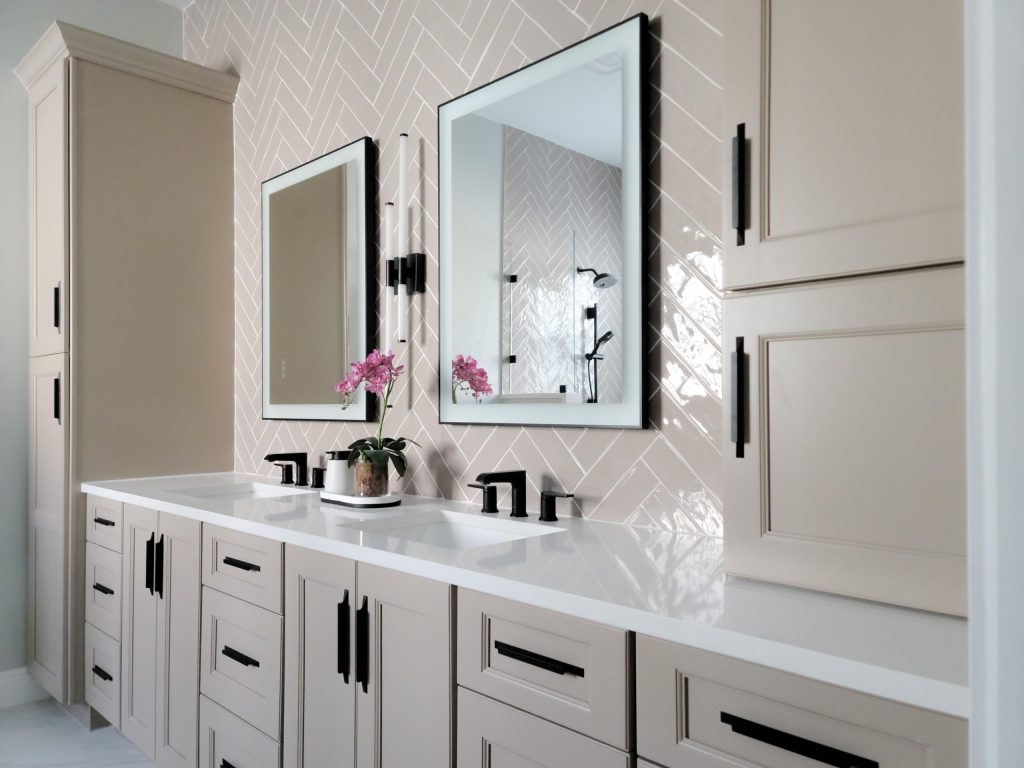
<point x="42" y="735"/>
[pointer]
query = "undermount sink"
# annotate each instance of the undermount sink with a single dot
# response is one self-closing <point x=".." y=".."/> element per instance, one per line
<point x="452" y="530"/>
<point x="240" y="491"/>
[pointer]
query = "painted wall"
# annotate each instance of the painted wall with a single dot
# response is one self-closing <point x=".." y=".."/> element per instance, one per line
<point x="146" y="22"/>
<point x="317" y="74"/>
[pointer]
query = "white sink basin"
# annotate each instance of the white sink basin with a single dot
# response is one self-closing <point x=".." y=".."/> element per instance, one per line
<point x="452" y="530"/>
<point x="240" y="491"/>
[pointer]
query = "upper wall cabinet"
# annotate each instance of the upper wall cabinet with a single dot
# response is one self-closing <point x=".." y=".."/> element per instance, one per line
<point x="542" y="239"/>
<point x="318" y="268"/>
<point x="851" y="153"/>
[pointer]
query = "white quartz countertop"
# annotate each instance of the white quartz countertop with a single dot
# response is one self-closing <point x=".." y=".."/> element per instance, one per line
<point x="653" y="582"/>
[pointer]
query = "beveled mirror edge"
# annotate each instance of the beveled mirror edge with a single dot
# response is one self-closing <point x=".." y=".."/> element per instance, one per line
<point x="364" y="407"/>
<point x="614" y="415"/>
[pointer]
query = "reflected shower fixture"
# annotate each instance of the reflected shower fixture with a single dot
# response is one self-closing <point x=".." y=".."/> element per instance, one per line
<point x="601" y="279"/>
<point x="593" y="354"/>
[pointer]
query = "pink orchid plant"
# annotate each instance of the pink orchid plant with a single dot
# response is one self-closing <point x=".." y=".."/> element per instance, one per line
<point x="377" y="374"/>
<point x="468" y="376"/>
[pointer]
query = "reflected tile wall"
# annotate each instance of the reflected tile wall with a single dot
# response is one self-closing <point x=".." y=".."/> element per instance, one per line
<point x="316" y="74"/>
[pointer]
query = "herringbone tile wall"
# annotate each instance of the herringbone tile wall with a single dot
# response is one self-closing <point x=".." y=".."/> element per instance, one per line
<point x="316" y="74"/>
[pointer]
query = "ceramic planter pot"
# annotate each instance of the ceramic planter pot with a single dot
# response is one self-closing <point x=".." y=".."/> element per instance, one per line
<point x="371" y="479"/>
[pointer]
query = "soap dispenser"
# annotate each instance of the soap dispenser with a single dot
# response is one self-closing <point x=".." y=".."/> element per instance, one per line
<point x="339" y="474"/>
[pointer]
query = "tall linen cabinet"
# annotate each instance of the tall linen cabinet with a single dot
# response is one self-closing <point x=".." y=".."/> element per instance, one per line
<point x="130" y="299"/>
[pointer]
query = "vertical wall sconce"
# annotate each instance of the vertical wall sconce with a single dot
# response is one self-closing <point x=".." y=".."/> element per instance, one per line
<point x="405" y="274"/>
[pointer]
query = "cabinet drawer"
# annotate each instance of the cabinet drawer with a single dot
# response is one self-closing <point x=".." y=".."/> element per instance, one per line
<point x="228" y="742"/>
<point x="566" y="670"/>
<point x="241" y="660"/>
<point x="103" y="589"/>
<point x="103" y="519"/>
<point x="103" y="674"/>
<point x="698" y="708"/>
<point x="494" y="735"/>
<point x="245" y="566"/>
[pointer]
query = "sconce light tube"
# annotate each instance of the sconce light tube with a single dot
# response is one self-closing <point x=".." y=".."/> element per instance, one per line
<point x="389" y="255"/>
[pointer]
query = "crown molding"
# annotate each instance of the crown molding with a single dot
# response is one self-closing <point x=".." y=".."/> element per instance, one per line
<point x="63" y="40"/>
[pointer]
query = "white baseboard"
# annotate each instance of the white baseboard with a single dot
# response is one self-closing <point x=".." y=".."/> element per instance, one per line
<point x="16" y="687"/>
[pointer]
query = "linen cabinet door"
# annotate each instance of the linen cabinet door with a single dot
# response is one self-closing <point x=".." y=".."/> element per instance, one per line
<point x="139" y="628"/>
<point x="403" y="670"/>
<point x="178" y="574"/>
<point x="319" y="680"/>
<point x="845" y="456"/>
<point x="853" y="121"/>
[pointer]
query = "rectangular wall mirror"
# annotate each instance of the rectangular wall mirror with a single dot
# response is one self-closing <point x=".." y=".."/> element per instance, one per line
<point x="542" y="238"/>
<point x="318" y="275"/>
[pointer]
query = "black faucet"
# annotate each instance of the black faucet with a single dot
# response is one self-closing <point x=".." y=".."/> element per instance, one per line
<point x="298" y="459"/>
<point x="515" y="478"/>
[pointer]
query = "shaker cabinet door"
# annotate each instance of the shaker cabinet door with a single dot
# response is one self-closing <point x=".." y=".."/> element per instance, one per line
<point x="853" y="154"/>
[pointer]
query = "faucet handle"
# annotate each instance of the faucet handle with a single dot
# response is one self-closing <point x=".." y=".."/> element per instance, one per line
<point x="490" y="506"/>
<point x="547" y="504"/>
<point x="287" y="476"/>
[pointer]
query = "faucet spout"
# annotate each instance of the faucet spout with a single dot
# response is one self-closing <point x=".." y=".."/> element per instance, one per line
<point x="516" y="479"/>
<point x="298" y="459"/>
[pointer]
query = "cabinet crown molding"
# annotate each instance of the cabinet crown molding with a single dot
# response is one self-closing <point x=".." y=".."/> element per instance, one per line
<point x="63" y="40"/>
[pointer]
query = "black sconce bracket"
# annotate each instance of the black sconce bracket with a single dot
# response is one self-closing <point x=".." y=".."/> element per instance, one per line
<point x="410" y="271"/>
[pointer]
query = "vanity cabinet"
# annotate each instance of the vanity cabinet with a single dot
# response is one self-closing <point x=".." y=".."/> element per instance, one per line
<point x="160" y="636"/>
<point x="854" y="151"/>
<point x="130" y="182"/>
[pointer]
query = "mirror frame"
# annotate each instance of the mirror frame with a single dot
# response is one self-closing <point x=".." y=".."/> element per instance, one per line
<point x="632" y="411"/>
<point x="362" y="154"/>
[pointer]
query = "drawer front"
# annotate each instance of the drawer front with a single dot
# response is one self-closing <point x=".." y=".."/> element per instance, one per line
<point x="225" y="741"/>
<point x="242" y="565"/>
<point x="103" y="589"/>
<point x="103" y="522"/>
<point x="241" y="660"/>
<point x="103" y="674"/>
<point x="694" y="706"/>
<point x="494" y="735"/>
<point x="572" y="672"/>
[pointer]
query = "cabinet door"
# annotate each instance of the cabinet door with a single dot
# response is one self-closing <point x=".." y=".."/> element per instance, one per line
<point x="48" y="214"/>
<point x="177" y="641"/>
<point x="319" y="681"/>
<point x="139" y="628"/>
<point x="403" y="670"/>
<point x="853" y="113"/>
<point x="47" y="488"/>
<point x="853" y="477"/>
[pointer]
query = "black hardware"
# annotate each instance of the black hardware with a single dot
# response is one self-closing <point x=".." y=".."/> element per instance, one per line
<point x="234" y="562"/>
<point x="594" y="356"/>
<point x="56" y="306"/>
<point x="739" y="183"/>
<point x="363" y="645"/>
<point x="409" y="270"/>
<point x="344" y="638"/>
<point x="317" y="477"/>
<point x="103" y="521"/>
<point x="601" y="279"/>
<point x="158" y="568"/>
<point x="150" y="545"/>
<point x="537" y="659"/>
<point x="490" y="506"/>
<point x="513" y="278"/>
<point x="515" y="478"/>
<point x="547" y="505"/>
<point x="511" y="358"/>
<point x="56" y="398"/>
<point x="225" y="764"/>
<point x="101" y="673"/>
<point x="238" y="656"/>
<point x="103" y="589"/>
<point x="287" y="474"/>
<point x="795" y="744"/>
<point x="739" y="397"/>
<point x="296" y="458"/>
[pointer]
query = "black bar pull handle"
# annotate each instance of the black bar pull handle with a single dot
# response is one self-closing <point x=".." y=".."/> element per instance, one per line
<point x="56" y="398"/>
<point x="739" y="397"/>
<point x="103" y="589"/>
<point x="56" y="306"/>
<point x="241" y="658"/>
<point x="363" y="645"/>
<point x="796" y="744"/>
<point x="344" y="638"/>
<point x="101" y="673"/>
<point x="150" y="546"/>
<point x="158" y="568"/>
<point x="234" y="562"/>
<point x="103" y="521"/>
<point x="739" y="183"/>
<point x="537" y="660"/>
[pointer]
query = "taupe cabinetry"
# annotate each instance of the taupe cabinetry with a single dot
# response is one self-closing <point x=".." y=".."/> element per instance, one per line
<point x="104" y="580"/>
<point x="853" y="114"/>
<point x="699" y="710"/>
<point x="160" y="635"/>
<point x="130" y="200"/>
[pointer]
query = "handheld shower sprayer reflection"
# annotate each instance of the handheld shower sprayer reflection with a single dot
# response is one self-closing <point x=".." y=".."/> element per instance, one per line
<point x="601" y="279"/>
<point x="593" y="354"/>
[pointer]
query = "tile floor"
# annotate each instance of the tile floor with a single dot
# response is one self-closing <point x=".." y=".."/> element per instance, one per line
<point x="42" y="735"/>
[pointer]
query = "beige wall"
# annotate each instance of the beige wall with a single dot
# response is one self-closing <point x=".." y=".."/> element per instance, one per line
<point x="316" y="75"/>
<point x="146" y="22"/>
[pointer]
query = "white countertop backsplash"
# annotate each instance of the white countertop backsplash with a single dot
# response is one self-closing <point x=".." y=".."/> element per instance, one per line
<point x="654" y="582"/>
